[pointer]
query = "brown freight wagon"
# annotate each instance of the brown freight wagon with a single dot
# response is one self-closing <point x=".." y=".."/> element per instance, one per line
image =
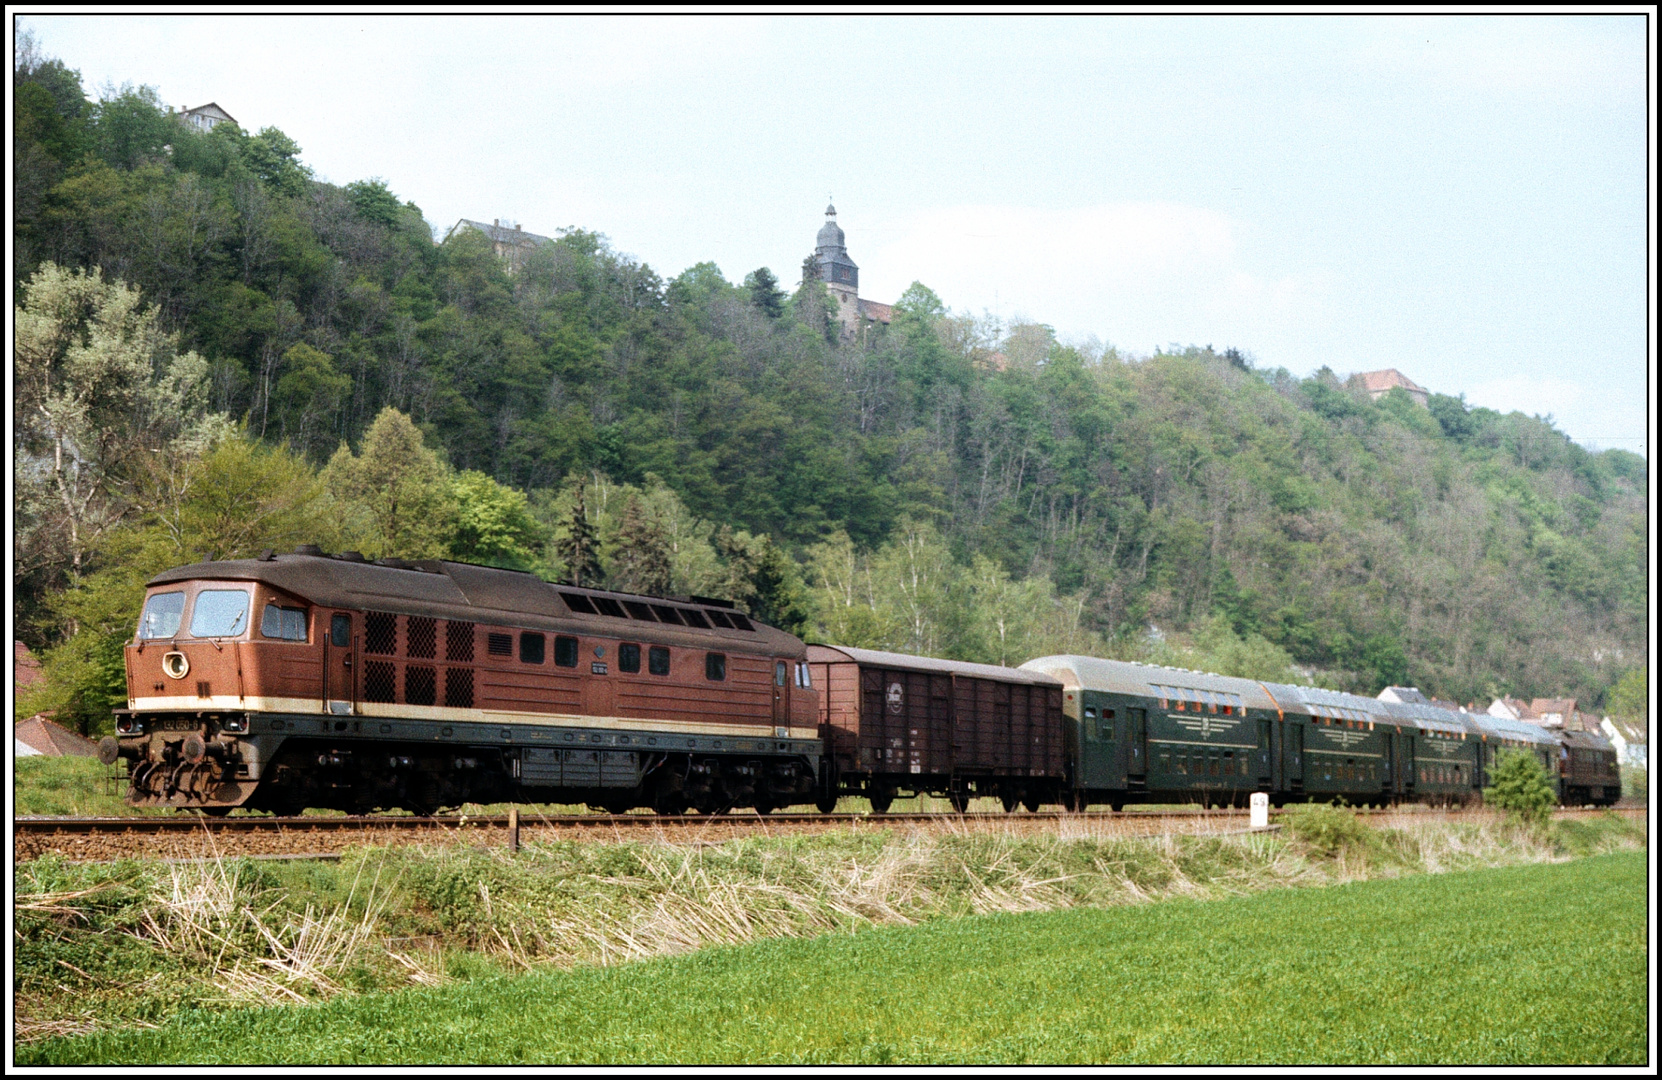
<point x="894" y="723"/>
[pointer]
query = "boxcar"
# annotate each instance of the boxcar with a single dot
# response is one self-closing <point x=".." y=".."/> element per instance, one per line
<point x="309" y="680"/>
<point x="895" y="723"/>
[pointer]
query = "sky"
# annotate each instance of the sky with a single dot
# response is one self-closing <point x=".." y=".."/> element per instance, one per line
<point x="1463" y="198"/>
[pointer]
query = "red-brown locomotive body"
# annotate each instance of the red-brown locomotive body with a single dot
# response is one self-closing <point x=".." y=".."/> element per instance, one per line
<point x="309" y="680"/>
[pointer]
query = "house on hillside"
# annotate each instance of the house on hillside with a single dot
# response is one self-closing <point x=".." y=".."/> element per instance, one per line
<point x="510" y="242"/>
<point x="1404" y="695"/>
<point x="38" y="735"/>
<point x="842" y="279"/>
<point x="1380" y="383"/>
<point x="205" y="118"/>
<point x="1632" y="741"/>
<point x="1507" y="708"/>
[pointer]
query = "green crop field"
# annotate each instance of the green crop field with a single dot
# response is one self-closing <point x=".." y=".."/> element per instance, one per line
<point x="1518" y="965"/>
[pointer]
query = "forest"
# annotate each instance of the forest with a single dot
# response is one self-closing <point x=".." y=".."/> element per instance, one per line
<point x="216" y="353"/>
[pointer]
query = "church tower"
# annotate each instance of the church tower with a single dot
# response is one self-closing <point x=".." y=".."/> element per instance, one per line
<point x="837" y="270"/>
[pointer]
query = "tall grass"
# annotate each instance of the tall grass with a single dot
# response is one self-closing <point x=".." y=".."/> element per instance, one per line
<point x="136" y="941"/>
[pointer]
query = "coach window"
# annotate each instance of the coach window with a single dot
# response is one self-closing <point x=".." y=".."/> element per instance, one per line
<point x="283" y="623"/>
<point x="565" y="651"/>
<point x="531" y="647"/>
<point x="657" y="660"/>
<point x="628" y="657"/>
<point x="715" y="666"/>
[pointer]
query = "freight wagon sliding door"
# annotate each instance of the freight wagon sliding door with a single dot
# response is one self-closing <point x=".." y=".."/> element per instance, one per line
<point x="907" y="721"/>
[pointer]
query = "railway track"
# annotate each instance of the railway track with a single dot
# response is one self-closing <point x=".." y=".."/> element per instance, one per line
<point x="190" y="836"/>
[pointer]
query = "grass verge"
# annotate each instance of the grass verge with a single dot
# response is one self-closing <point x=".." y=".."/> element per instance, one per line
<point x="1420" y="970"/>
<point x="137" y="942"/>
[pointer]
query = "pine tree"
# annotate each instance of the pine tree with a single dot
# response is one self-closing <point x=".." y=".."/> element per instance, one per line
<point x="642" y="563"/>
<point x="578" y="548"/>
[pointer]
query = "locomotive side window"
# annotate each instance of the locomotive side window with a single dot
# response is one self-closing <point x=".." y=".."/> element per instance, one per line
<point x="629" y="657"/>
<point x="282" y="623"/>
<point x="565" y="651"/>
<point x="531" y="647"/>
<point x="219" y="613"/>
<point x="657" y="660"/>
<point x="162" y="614"/>
<point x="715" y="666"/>
<point x="340" y="631"/>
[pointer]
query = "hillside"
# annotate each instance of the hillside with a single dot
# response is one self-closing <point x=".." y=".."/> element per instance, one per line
<point x="901" y="489"/>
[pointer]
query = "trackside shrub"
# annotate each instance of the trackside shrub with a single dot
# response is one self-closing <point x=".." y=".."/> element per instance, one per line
<point x="1522" y="788"/>
<point x="1327" y="829"/>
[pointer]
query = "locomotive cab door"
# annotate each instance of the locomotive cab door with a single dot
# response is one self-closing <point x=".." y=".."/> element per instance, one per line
<point x="340" y="695"/>
<point x="781" y="698"/>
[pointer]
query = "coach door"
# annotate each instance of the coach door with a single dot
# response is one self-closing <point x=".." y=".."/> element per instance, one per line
<point x="1408" y="766"/>
<point x="1266" y="778"/>
<point x="1136" y="746"/>
<point x="340" y="672"/>
<point x="1292" y="749"/>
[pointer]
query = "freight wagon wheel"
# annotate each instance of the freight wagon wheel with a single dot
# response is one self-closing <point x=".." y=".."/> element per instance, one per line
<point x="880" y="798"/>
<point x="960" y="801"/>
<point x="1032" y="803"/>
<point x="1010" y="802"/>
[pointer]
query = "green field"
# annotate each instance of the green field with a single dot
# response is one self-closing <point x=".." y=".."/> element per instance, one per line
<point x="1534" y="964"/>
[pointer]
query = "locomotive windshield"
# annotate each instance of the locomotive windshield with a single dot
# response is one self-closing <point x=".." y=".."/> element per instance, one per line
<point x="162" y="613"/>
<point x="219" y="613"/>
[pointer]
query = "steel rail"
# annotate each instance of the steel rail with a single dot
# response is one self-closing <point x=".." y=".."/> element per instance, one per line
<point x="190" y="822"/>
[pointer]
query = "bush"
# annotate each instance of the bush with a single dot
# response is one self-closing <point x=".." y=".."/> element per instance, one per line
<point x="1327" y="829"/>
<point x="1521" y="787"/>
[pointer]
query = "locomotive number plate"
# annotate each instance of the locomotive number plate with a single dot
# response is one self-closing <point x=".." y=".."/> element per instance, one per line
<point x="175" y="723"/>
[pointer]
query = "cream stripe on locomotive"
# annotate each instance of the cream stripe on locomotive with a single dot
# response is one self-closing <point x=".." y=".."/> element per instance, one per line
<point x="310" y="707"/>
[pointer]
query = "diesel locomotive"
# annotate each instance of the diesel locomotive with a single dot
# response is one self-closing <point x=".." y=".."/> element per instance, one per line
<point x="313" y="680"/>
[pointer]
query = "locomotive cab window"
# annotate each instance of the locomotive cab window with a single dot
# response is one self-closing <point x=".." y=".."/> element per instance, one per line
<point x="780" y="671"/>
<point x="565" y="651"/>
<point x="803" y="679"/>
<point x="715" y="666"/>
<point x="162" y="614"/>
<point x="657" y="660"/>
<point x="629" y="657"/>
<point x="283" y="623"/>
<point x="531" y="647"/>
<point x="340" y="631"/>
<point x="219" y="613"/>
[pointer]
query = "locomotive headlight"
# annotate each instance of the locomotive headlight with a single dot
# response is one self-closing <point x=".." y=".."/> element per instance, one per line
<point x="234" y="724"/>
<point x="175" y="666"/>
<point x="128" y="725"/>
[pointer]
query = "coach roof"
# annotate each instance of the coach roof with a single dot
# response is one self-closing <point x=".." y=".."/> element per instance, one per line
<point x="453" y="590"/>
<point x="1144" y="680"/>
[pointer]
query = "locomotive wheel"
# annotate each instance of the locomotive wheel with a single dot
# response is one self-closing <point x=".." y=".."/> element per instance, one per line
<point x="763" y="809"/>
<point x="213" y="811"/>
<point x="826" y="803"/>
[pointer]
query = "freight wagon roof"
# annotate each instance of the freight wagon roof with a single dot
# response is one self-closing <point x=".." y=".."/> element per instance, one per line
<point x="1144" y="680"/>
<point x="452" y="590"/>
<point x="834" y="653"/>
<point x="1517" y="730"/>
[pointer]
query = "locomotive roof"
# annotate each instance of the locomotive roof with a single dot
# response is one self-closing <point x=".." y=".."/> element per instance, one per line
<point x="876" y="658"/>
<point x="453" y="590"/>
<point x="1142" y="680"/>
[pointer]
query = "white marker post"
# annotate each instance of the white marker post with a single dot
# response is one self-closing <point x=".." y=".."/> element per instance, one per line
<point x="1260" y="810"/>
